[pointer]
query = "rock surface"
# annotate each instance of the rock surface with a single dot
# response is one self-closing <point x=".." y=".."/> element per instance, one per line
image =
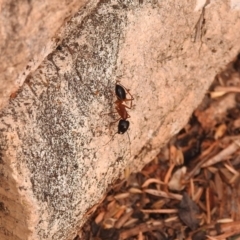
<point x="58" y="154"/>
<point x="29" y="32"/>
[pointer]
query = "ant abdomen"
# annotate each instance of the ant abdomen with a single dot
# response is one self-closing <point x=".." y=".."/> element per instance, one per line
<point x="120" y="92"/>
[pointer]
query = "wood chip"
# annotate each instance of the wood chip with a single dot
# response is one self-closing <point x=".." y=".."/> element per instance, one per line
<point x="176" y="182"/>
<point x="122" y="220"/>
<point x="150" y="181"/>
<point x="139" y="228"/>
<point x="135" y="190"/>
<point x="223" y="154"/>
<point x="122" y="196"/>
<point x="163" y="194"/>
<point x="164" y="211"/>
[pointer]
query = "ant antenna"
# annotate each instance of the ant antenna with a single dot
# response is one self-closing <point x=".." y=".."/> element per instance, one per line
<point x="110" y="139"/>
<point x="129" y="144"/>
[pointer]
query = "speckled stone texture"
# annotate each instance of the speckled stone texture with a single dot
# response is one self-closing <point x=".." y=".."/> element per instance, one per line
<point x="55" y="164"/>
<point x="29" y="30"/>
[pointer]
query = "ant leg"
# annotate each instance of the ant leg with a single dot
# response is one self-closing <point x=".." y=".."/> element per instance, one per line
<point x="108" y="113"/>
<point x="123" y="105"/>
<point x="129" y="99"/>
<point x="127" y="106"/>
<point x="110" y="139"/>
<point x="115" y="121"/>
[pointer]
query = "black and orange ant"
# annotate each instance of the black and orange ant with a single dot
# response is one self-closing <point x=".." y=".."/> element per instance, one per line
<point x="121" y="94"/>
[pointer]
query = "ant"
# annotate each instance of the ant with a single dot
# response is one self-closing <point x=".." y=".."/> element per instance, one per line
<point x="121" y="94"/>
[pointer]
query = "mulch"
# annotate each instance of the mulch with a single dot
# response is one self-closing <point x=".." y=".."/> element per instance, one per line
<point x="191" y="190"/>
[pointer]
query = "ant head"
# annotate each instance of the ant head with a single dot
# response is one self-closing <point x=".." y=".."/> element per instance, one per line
<point x="120" y="92"/>
<point x="123" y="126"/>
